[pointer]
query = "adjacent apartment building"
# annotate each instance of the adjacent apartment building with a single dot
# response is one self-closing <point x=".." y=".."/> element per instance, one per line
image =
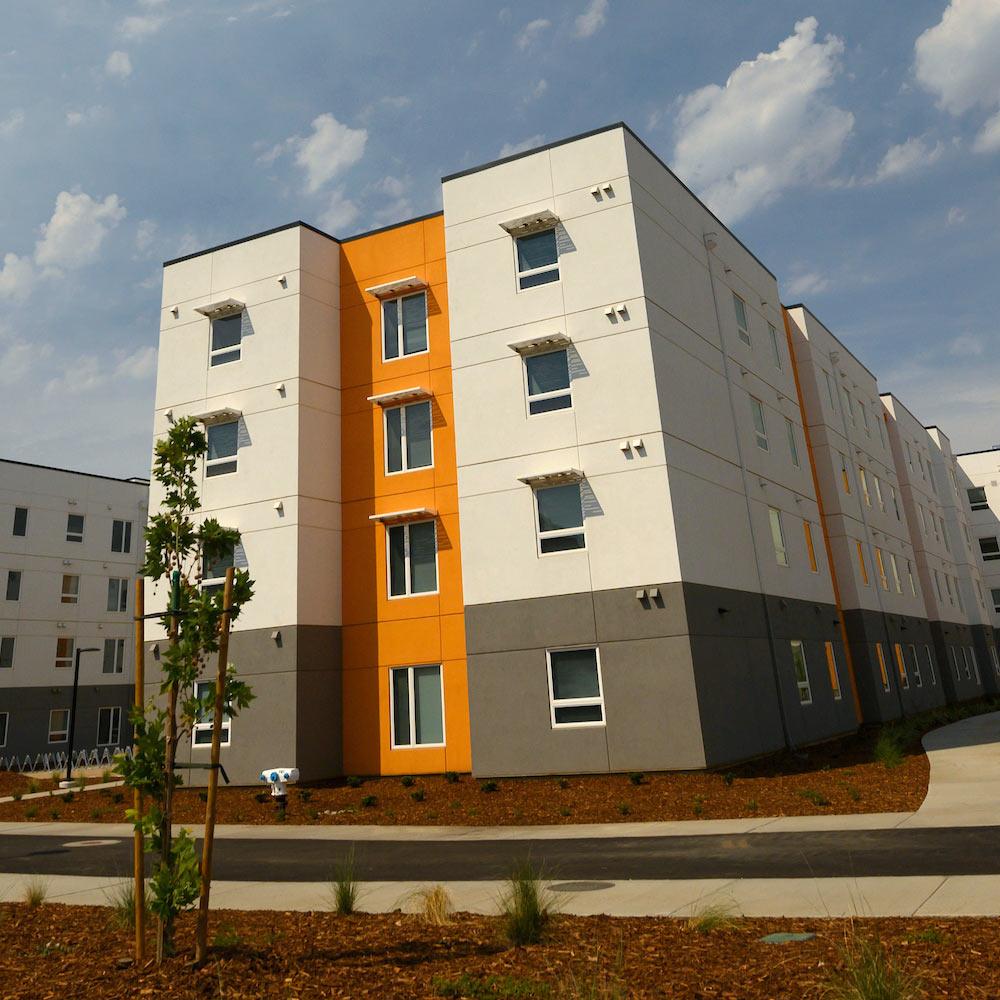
<point x="546" y="482"/>
<point x="70" y="551"/>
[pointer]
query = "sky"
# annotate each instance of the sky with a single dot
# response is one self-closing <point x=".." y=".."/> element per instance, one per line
<point x="853" y="146"/>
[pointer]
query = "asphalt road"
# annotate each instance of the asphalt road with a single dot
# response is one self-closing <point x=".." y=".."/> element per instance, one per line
<point x="937" y="851"/>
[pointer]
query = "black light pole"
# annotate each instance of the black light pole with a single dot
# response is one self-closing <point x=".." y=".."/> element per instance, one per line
<point x="72" y="713"/>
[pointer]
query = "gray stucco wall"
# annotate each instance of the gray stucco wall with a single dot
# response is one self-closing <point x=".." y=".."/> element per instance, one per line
<point x="959" y="687"/>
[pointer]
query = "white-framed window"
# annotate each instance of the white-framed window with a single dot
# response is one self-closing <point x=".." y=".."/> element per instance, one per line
<point x="968" y="537"/>
<point x="742" y="320"/>
<point x="775" y="350"/>
<point x="13" y="585"/>
<point x="213" y="573"/>
<point x="977" y="498"/>
<point x="878" y="423"/>
<point x="989" y="547"/>
<point x="947" y="585"/>
<point x="792" y="449"/>
<point x="849" y="406"/>
<point x="759" y="427"/>
<point x="904" y="677"/>
<point x="968" y="662"/>
<point x="777" y="536"/>
<point x="114" y="656"/>
<point x="74" y="527"/>
<point x="880" y="566"/>
<point x="547" y="382"/>
<point x="930" y="476"/>
<point x="412" y="558"/>
<point x="227" y="338"/>
<point x="845" y="476"/>
<point x="537" y="258"/>
<point x="417" y="706"/>
<point x="918" y="677"/>
<point x="995" y="596"/>
<point x="121" y="535"/>
<point x="909" y="455"/>
<point x="831" y="666"/>
<point x="117" y="594"/>
<point x="408" y="443"/>
<point x="893" y="565"/>
<point x="958" y="596"/>
<point x="20" y="522"/>
<point x="65" y="648"/>
<point x="222" y="456"/>
<point x="863" y="479"/>
<point x="201" y="731"/>
<point x="895" y="500"/>
<point x="829" y="389"/>
<point x="878" y="493"/>
<point x="70" y="593"/>
<point x="404" y="326"/>
<point x="4" y="726"/>
<point x="882" y="669"/>
<point x="909" y="574"/>
<point x="954" y="663"/>
<point x="864" y="416"/>
<point x="109" y="726"/>
<point x="58" y="725"/>
<point x="6" y="652"/>
<point x="930" y="665"/>
<point x="559" y="516"/>
<point x="937" y="585"/>
<point x="996" y="660"/>
<point x="801" y="672"/>
<point x="576" y="691"/>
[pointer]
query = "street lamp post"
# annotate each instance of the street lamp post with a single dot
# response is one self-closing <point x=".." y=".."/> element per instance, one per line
<point x="72" y="713"/>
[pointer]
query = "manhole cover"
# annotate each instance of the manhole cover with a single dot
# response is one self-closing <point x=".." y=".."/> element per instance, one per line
<point x="783" y="937"/>
<point x="89" y="843"/>
<point x="580" y="886"/>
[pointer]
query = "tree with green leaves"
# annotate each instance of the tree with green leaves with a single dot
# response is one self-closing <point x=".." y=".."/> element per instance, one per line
<point x="178" y="548"/>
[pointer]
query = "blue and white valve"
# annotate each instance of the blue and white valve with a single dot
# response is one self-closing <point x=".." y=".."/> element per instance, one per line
<point x="279" y="778"/>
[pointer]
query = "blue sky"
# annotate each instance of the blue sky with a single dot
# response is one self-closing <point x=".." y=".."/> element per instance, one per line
<point x="854" y="146"/>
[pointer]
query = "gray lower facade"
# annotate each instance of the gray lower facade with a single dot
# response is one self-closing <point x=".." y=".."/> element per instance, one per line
<point x="28" y="711"/>
<point x="697" y="677"/>
<point x="295" y="717"/>
<point x="962" y="681"/>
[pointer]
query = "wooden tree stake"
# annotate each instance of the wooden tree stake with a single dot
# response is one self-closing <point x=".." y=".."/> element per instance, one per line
<point x="139" y="891"/>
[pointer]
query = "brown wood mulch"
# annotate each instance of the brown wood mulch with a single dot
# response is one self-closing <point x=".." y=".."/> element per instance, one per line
<point x="54" y="951"/>
<point x="838" y="777"/>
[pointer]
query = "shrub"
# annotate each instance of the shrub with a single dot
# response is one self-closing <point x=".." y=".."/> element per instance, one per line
<point x="854" y="794"/>
<point x="36" y="891"/>
<point x="345" y="886"/>
<point x="624" y="808"/>
<point x="369" y="802"/>
<point x="95" y="813"/>
<point x="752" y="805"/>
<point x="16" y="796"/>
<point x="816" y="798"/>
<point x="715" y="917"/>
<point x="636" y="777"/>
<point x="869" y="974"/>
<point x="118" y="798"/>
<point x="888" y="750"/>
<point x="470" y="987"/>
<point x="260" y="797"/>
<point x="728" y="778"/>
<point x="451" y="777"/>
<point x="488" y="786"/>
<point x="435" y="904"/>
<point x="563" y="783"/>
<point x="354" y="781"/>
<point x="107" y="776"/>
<point x="417" y="795"/>
<point x="31" y="812"/>
<point x="54" y="814"/>
<point x="407" y="781"/>
<point x="81" y="783"/>
<point x="68" y="797"/>
<point x="565" y="811"/>
<point x="305" y="794"/>
<point x="55" y="777"/>
<point x="32" y="786"/>
<point x="227" y="937"/>
<point x="524" y="906"/>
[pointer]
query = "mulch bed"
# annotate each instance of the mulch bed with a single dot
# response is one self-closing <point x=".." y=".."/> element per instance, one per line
<point x="838" y="777"/>
<point x="72" y="952"/>
<point x="13" y="783"/>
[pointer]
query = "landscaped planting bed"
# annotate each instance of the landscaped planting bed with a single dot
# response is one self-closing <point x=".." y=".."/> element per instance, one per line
<point x="70" y="952"/>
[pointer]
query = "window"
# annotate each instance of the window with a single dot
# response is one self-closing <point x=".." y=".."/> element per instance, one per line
<point x="109" y="726"/>
<point x="831" y="666"/>
<point x="70" y="589"/>
<point x="404" y="326"/>
<point x="897" y="583"/>
<point x="968" y="537"/>
<point x="793" y="451"/>
<point x="996" y="660"/>
<point x="4" y="717"/>
<point x="7" y="652"/>
<point x="895" y="501"/>
<point x="861" y="563"/>
<point x="863" y="479"/>
<point x="947" y="584"/>
<point x="937" y="585"/>
<point x="537" y="259"/>
<point x="417" y="707"/>
<point x="408" y="437"/>
<point x="742" y="322"/>
<point x="412" y="558"/>
<point x="223" y="448"/>
<point x="121" y="531"/>
<point x="878" y="494"/>
<point x="775" y="350"/>
<point x="845" y="477"/>
<point x="13" y="585"/>
<point x="213" y="573"/>
<point x="20" y="521"/>
<point x="74" y="528"/>
<point x="958" y="595"/>
<point x="560" y="518"/>
<point x="849" y="406"/>
<point x="117" y="594"/>
<point x="576" y="695"/>
<point x="777" y="536"/>
<point x="904" y="678"/>
<point x="930" y="474"/>
<point x="881" y="431"/>
<point x="114" y="656"/>
<point x="977" y="498"/>
<point x="883" y="673"/>
<point x="930" y="665"/>
<point x="810" y="549"/>
<point x="227" y="334"/>
<point x="990" y="548"/>
<point x="864" y="416"/>
<point x="547" y="379"/>
<point x="909" y="574"/>
<point x="971" y="655"/>
<point x="801" y="673"/>
<point x="918" y="677"/>
<point x="760" y="430"/>
<point x="201" y="731"/>
<point x="58" y="725"/>
<point x="829" y="390"/>
<point x="954" y="663"/>
<point x="995" y="594"/>
<point x="880" y="565"/>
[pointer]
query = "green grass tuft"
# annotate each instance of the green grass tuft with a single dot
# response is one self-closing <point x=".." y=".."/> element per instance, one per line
<point x="869" y="974"/>
<point x="525" y="905"/>
<point x="344" y="886"/>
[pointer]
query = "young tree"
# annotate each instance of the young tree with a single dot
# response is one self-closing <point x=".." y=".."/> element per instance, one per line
<point x="177" y="550"/>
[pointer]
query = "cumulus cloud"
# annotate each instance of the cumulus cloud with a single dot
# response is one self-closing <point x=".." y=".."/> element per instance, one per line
<point x="965" y="344"/>
<point x="90" y="372"/>
<point x="86" y="116"/>
<point x="906" y="157"/>
<point x="531" y="32"/>
<point x="339" y="213"/>
<point x="592" y="19"/>
<point x="510" y="148"/>
<point x="771" y="127"/>
<point x="10" y="124"/>
<point x="956" y="216"/>
<point x="140" y="26"/>
<point x="140" y="364"/>
<point x="118" y="65"/>
<point x="807" y="284"/>
<point x="18" y="356"/>
<point x="145" y="233"/>
<point x="537" y="90"/>
<point x="329" y="150"/>
<point x="988" y="139"/>
<point x="17" y="277"/>
<point x="78" y="227"/>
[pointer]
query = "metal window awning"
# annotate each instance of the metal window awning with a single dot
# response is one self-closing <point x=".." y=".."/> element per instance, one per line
<point x="221" y="308"/>
<point x="414" y="392"/>
<point x="400" y="286"/>
<point x="398" y="516"/>
<point x="545" y="342"/>
<point x="533" y="223"/>
<point x="223" y="415"/>
<point x="559" y="478"/>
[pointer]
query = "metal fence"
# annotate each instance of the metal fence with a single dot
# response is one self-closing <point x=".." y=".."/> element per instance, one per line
<point x="100" y="757"/>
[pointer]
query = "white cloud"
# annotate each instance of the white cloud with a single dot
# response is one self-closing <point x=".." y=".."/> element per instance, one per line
<point x="331" y="149"/>
<point x="906" y="157"/>
<point x="592" y="19"/>
<point x="531" y="32"/>
<point x="10" y="124"/>
<point x="339" y="213"/>
<point x="90" y="372"/>
<point x="510" y="148"/>
<point x="18" y="356"/>
<point x="956" y="216"/>
<point x="807" y="284"/>
<point x="988" y="139"/>
<point x="74" y="234"/>
<point x="769" y="128"/>
<point x="537" y="91"/>
<point x="92" y="114"/>
<point x="393" y="187"/>
<point x="140" y="26"/>
<point x="17" y="277"/>
<point x="966" y="344"/>
<point x="140" y="364"/>
<point x="145" y="233"/>
<point x="118" y="65"/>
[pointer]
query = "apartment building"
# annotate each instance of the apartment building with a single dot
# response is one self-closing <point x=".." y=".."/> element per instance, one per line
<point x="549" y="482"/>
<point x="70" y="551"/>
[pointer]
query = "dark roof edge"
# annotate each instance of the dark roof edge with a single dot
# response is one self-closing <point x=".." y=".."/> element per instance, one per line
<point x="978" y="451"/>
<point x="599" y="131"/>
<point x="803" y="306"/>
<point x="393" y="225"/>
<point x="246" y="239"/>
<point x="134" y="480"/>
